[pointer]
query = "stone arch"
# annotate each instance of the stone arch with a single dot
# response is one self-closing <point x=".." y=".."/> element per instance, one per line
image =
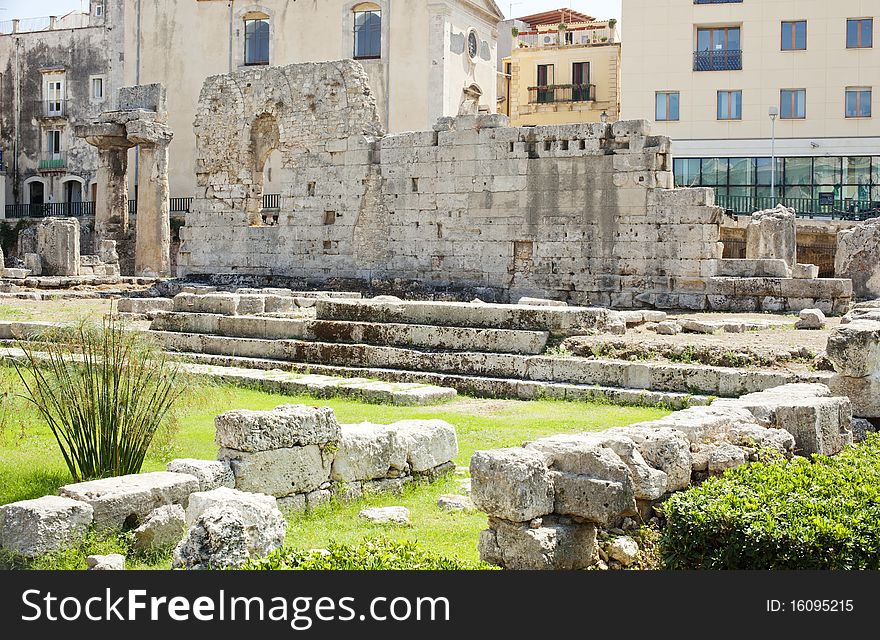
<point x="37" y="190"/>
<point x="70" y="193"/>
<point x="265" y="138"/>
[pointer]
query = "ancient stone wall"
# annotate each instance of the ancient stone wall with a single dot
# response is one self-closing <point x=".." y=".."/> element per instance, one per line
<point x="579" y="212"/>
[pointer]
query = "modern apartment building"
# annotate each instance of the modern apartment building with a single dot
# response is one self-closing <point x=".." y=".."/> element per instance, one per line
<point x="708" y="73"/>
<point x="563" y="67"/>
<point x="425" y="60"/>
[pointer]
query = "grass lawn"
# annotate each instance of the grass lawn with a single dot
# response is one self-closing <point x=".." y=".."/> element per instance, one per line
<point x="32" y="466"/>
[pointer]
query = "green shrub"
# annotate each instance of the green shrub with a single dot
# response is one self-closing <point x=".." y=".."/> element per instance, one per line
<point x="799" y="514"/>
<point x="378" y="554"/>
<point x="103" y="392"/>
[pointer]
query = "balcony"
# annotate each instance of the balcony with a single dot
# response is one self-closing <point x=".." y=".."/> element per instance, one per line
<point x="718" y="60"/>
<point x="562" y="93"/>
<point x="62" y="209"/>
<point x="53" y="162"/>
<point x="717" y="1"/>
<point x="51" y="108"/>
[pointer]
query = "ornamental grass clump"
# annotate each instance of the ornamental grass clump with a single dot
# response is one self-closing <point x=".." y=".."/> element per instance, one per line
<point x="103" y="391"/>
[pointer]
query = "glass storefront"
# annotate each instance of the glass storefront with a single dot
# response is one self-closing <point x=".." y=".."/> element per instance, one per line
<point x="822" y="185"/>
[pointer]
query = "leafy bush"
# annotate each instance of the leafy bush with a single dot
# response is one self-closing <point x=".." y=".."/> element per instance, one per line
<point x="379" y="554"/>
<point x="800" y="514"/>
<point x="103" y="391"/>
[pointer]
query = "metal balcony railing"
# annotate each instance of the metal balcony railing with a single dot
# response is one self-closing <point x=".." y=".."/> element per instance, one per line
<point x="558" y="93"/>
<point x="805" y="207"/>
<point x="180" y="205"/>
<point x="717" y="1"/>
<point x="53" y="161"/>
<point x="271" y="201"/>
<point x="50" y="209"/>
<point x="51" y="108"/>
<point x="718" y="60"/>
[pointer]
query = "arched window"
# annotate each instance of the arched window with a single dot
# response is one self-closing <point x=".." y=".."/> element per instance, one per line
<point x="367" y="31"/>
<point x="256" y="41"/>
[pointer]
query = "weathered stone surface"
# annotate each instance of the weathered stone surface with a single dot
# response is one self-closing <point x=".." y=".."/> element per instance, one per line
<point x="226" y="537"/>
<point x="58" y="246"/>
<point x="124" y="501"/>
<point x="51" y="523"/>
<point x="762" y="438"/>
<point x="283" y="427"/>
<point x="667" y="328"/>
<point x="724" y="456"/>
<point x="708" y="424"/>
<point x="811" y="319"/>
<point x="542" y="302"/>
<point x="772" y="234"/>
<point x="386" y="515"/>
<point x="112" y="562"/>
<point x="649" y="484"/>
<point x="513" y="484"/>
<point x="546" y="547"/>
<point x="754" y="268"/>
<point x="624" y="550"/>
<point x="590" y="481"/>
<point x="452" y="502"/>
<point x="428" y="443"/>
<point x="854" y="348"/>
<point x="279" y="472"/>
<point x="144" y="306"/>
<point x="805" y="271"/>
<point x="662" y="448"/>
<point x="367" y="451"/>
<point x="858" y="258"/>
<point x="861" y="428"/>
<point x="164" y="527"/>
<point x="210" y="473"/>
<point x="863" y="393"/>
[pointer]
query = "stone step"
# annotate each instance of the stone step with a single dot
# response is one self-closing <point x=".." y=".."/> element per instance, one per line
<point x="677" y="378"/>
<point x="392" y="334"/>
<point x="408" y="394"/>
<point x="559" y="321"/>
<point x="477" y="386"/>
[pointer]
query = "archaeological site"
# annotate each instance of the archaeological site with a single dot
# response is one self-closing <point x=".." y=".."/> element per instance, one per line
<point x="515" y="347"/>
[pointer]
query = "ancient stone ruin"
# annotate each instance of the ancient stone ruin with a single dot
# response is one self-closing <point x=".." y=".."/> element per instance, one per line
<point x="53" y="249"/>
<point x="584" y="213"/>
<point x="138" y="121"/>
<point x="858" y="258"/>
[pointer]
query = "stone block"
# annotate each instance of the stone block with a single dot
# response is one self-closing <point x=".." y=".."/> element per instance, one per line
<point x="545" y="547"/>
<point x="386" y="515"/>
<point x="863" y="393"/>
<point x="123" y="502"/>
<point x="513" y="484"/>
<point x="754" y="268"/>
<point x="283" y="427"/>
<point x="854" y="348"/>
<point x="279" y="472"/>
<point x="144" y="306"/>
<point x="811" y="319"/>
<point x="51" y="523"/>
<point x="111" y="562"/>
<point x="164" y="527"/>
<point x="368" y="451"/>
<point x="211" y="474"/>
<point x="428" y="443"/>
<point x="858" y="258"/>
<point x="804" y="272"/>
<point x="772" y="234"/>
<point x="662" y="448"/>
<point x="58" y="246"/>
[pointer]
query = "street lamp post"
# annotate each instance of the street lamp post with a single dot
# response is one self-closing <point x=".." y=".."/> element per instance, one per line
<point x="774" y="113"/>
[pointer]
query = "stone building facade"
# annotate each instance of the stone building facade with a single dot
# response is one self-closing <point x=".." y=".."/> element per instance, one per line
<point x="52" y="79"/>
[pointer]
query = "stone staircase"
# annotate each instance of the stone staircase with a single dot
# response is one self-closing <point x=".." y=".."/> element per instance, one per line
<point x="481" y="349"/>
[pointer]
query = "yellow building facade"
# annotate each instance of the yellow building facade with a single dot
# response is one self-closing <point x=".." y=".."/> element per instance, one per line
<point x="562" y="75"/>
<point x="708" y="72"/>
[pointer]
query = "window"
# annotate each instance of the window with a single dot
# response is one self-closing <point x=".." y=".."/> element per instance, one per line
<point x="860" y="33"/>
<point x="718" y="49"/>
<point x="580" y="81"/>
<point x="667" y="106"/>
<point x="53" y="144"/>
<point x="367" y="34"/>
<point x="473" y="44"/>
<point x="858" y="102"/>
<point x="793" y="104"/>
<point x="794" y="35"/>
<point x="256" y="41"/>
<point x="546" y="79"/>
<point x="99" y="9"/>
<point x="97" y="88"/>
<point x="730" y="105"/>
<point x="54" y="97"/>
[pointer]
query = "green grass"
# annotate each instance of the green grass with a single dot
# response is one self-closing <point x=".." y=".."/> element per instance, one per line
<point x="32" y="466"/>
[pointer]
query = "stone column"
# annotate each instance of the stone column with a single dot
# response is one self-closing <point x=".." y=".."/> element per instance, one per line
<point x="153" y="245"/>
<point x="111" y="205"/>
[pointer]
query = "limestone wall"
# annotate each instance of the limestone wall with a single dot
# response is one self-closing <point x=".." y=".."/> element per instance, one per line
<point x="579" y="212"/>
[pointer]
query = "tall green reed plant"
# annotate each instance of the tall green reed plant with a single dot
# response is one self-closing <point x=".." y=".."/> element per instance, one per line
<point x="103" y="391"/>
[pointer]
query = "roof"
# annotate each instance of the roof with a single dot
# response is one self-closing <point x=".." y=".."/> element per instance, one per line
<point x="557" y="16"/>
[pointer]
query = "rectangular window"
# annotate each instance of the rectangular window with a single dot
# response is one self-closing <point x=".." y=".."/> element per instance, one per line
<point x="794" y="35"/>
<point x="793" y="104"/>
<point x="718" y="49"/>
<point x="256" y="42"/>
<point x="367" y="34"/>
<point x="54" y="97"/>
<point x="97" y="89"/>
<point x="53" y="143"/>
<point x="860" y="33"/>
<point x="858" y="102"/>
<point x="667" y="106"/>
<point x="730" y="105"/>
<point x="546" y="79"/>
<point x="99" y="9"/>
<point x="580" y="80"/>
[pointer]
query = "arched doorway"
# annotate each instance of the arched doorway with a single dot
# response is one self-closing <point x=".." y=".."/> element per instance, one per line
<point x="264" y="141"/>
